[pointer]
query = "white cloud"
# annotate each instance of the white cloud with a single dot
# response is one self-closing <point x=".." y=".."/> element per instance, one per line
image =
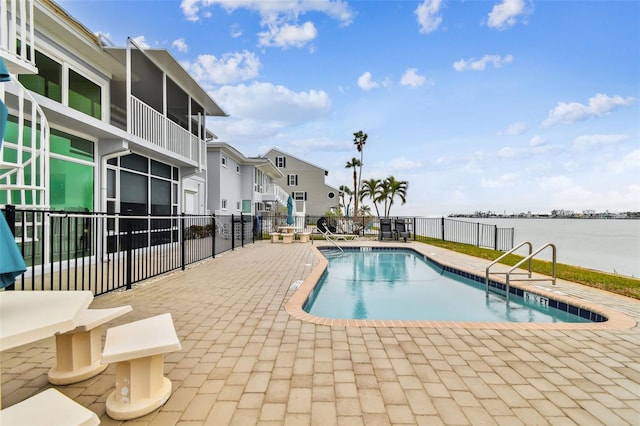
<point x="505" y="14"/>
<point x="599" y="105"/>
<point x="514" y="129"/>
<point x="588" y="142"/>
<point x="412" y="78"/>
<point x="236" y="31"/>
<point x="428" y="16"/>
<point x="479" y="65"/>
<point x="280" y="18"/>
<point x="404" y="164"/>
<point x="365" y="82"/>
<point x="506" y="152"/>
<point x="628" y="163"/>
<point x="537" y="141"/>
<point x="140" y="42"/>
<point x="273" y="103"/>
<point x="565" y="193"/>
<point x="181" y="45"/>
<point x="502" y="181"/>
<point x="288" y="35"/>
<point x="232" y="67"/>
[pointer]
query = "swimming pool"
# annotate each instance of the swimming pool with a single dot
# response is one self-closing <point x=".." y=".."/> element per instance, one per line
<point x="400" y="284"/>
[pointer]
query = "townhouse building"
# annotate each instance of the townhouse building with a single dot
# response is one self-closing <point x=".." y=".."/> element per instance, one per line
<point x="305" y="182"/>
<point x="95" y="127"/>
<point x="237" y="184"/>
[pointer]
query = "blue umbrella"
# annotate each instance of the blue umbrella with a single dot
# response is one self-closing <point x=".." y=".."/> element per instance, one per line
<point x="290" y="220"/>
<point x="11" y="262"/>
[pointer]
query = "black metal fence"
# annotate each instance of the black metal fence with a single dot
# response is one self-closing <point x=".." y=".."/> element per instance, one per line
<point x="458" y="231"/>
<point x="103" y="252"/>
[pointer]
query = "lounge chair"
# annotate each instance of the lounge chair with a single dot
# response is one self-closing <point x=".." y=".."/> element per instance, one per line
<point x="329" y="231"/>
<point x="385" y="230"/>
<point x="401" y="230"/>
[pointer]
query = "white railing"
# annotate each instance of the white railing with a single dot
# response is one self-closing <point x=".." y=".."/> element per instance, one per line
<point x="24" y="176"/>
<point x="17" y="29"/>
<point x="278" y="194"/>
<point x="153" y="127"/>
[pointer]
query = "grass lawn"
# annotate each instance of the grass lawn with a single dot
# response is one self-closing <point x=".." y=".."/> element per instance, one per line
<point x="619" y="284"/>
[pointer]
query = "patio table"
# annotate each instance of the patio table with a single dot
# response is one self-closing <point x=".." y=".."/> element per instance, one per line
<point x="29" y="316"/>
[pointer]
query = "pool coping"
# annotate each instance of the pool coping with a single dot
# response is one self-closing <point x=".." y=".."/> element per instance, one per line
<point x="294" y="306"/>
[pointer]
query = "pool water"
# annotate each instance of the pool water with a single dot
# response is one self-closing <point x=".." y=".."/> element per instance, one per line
<point x="404" y="285"/>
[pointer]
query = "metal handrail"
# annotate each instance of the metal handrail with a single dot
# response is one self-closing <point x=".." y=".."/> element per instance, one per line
<point x="326" y="237"/>
<point x="487" y="273"/>
<point x="529" y="278"/>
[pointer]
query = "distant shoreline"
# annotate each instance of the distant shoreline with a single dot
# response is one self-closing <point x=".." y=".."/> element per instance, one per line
<point x="621" y="216"/>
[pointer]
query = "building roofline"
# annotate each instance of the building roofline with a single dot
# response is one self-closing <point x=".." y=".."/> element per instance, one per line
<point x="261" y="163"/>
<point x="326" y="172"/>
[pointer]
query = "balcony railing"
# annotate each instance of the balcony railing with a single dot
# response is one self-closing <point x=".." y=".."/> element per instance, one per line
<point x="17" y="35"/>
<point x="273" y="192"/>
<point x="155" y="128"/>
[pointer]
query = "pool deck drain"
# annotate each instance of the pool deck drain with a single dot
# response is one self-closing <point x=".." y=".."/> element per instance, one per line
<point x="246" y="361"/>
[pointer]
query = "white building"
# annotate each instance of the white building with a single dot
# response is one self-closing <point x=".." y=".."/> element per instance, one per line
<point x="93" y="127"/>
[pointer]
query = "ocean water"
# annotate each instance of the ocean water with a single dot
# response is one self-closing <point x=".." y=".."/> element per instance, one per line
<point x="609" y="245"/>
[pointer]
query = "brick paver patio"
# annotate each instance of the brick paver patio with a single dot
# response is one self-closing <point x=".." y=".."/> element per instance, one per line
<point x="246" y="361"/>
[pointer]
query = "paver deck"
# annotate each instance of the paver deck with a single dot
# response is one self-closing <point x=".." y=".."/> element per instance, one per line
<point x="245" y="360"/>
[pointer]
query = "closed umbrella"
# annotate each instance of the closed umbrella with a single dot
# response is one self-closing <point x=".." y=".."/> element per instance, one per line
<point x="11" y="262"/>
<point x="290" y="220"/>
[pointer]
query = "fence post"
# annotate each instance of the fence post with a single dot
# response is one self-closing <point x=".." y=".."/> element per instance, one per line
<point x="213" y="235"/>
<point x="183" y="242"/>
<point x="478" y="236"/>
<point x="495" y="237"/>
<point x="414" y="229"/>
<point x="129" y="251"/>
<point x="233" y="234"/>
<point x="10" y="216"/>
<point x="241" y="230"/>
<point x="442" y="225"/>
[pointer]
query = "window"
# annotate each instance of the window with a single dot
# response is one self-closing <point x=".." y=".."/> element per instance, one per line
<point x="223" y="161"/>
<point x="281" y="162"/>
<point x="299" y="195"/>
<point x="84" y="95"/>
<point x="292" y="180"/>
<point x="237" y="205"/>
<point x="48" y="81"/>
<point x="238" y="169"/>
<point x="223" y="204"/>
<point x="331" y="195"/>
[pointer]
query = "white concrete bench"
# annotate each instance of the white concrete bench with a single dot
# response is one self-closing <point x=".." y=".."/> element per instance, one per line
<point x="78" y="351"/>
<point x="275" y="236"/>
<point x="304" y="236"/>
<point x="287" y="238"/>
<point x="48" y="408"/>
<point x="138" y="349"/>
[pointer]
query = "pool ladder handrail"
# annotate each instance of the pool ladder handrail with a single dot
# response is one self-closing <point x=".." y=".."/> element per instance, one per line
<point x="528" y="259"/>
<point x="326" y="237"/>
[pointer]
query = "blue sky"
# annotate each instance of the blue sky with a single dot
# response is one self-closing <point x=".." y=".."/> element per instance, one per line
<point x="504" y="105"/>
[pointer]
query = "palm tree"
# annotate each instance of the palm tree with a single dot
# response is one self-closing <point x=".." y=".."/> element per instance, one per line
<point x="344" y="190"/>
<point x="353" y="164"/>
<point x="395" y="188"/>
<point x="359" y="139"/>
<point x="365" y="210"/>
<point x="371" y="188"/>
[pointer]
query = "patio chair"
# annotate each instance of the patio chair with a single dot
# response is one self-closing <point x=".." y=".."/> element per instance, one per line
<point x="385" y="230"/>
<point x="329" y="231"/>
<point x="401" y="230"/>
